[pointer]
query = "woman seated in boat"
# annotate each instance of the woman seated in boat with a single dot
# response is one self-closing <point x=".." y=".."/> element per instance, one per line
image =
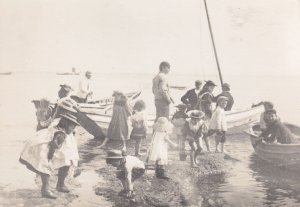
<point x="276" y="131"/>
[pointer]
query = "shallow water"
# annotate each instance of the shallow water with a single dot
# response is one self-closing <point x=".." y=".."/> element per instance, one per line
<point x="250" y="182"/>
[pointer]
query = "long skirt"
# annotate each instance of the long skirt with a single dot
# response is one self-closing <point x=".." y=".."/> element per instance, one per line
<point x="118" y="126"/>
<point x="35" y="152"/>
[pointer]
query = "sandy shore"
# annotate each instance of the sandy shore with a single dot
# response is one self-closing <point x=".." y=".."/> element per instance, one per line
<point x="98" y="186"/>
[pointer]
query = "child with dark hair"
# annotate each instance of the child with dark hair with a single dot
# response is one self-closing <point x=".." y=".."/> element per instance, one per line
<point x="129" y="169"/>
<point x="139" y="125"/>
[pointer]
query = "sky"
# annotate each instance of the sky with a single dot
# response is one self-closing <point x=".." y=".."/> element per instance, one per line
<point x="257" y="37"/>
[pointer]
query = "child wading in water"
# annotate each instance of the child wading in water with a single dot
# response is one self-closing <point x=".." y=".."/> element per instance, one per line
<point x="193" y="131"/>
<point x="158" y="151"/>
<point x="129" y="169"/>
<point x="178" y="120"/>
<point x="218" y="122"/>
<point x="139" y="125"/>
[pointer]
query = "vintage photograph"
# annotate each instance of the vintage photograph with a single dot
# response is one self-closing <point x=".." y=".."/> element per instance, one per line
<point x="139" y="103"/>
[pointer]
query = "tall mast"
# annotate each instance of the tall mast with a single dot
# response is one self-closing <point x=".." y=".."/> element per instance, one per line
<point x="213" y="43"/>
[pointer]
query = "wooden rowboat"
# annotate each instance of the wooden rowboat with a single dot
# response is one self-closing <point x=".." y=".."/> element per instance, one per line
<point x="102" y="114"/>
<point x="278" y="154"/>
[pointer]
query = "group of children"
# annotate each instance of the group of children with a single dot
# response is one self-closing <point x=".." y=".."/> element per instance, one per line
<point x="192" y="127"/>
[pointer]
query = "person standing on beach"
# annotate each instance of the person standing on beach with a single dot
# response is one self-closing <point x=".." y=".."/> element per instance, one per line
<point x="218" y="123"/>
<point x="158" y="150"/>
<point x="139" y="125"/>
<point x="206" y="98"/>
<point x="84" y="88"/>
<point x="118" y="126"/>
<point x="50" y="149"/>
<point x="190" y="98"/>
<point x="226" y="93"/>
<point x="160" y="89"/>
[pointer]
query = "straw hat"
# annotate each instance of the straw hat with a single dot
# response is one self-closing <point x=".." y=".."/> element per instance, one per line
<point x="68" y="105"/>
<point x="115" y="154"/>
<point x="70" y="117"/>
<point x="162" y="125"/>
<point x="66" y="87"/>
<point x="196" y="114"/>
<point x="210" y="83"/>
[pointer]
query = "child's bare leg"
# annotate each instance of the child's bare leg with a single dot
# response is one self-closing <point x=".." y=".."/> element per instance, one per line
<point x="124" y="145"/>
<point x="192" y="153"/>
<point x="138" y="143"/>
<point x="217" y="142"/>
<point x="206" y="140"/>
<point x="222" y="147"/>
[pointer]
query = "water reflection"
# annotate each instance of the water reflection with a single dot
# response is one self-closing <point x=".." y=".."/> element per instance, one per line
<point x="208" y="187"/>
<point x="281" y="184"/>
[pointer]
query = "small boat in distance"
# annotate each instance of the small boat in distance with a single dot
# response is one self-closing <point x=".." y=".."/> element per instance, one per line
<point x="5" y="73"/>
<point x="277" y="154"/>
<point x="69" y="73"/>
<point x="178" y="87"/>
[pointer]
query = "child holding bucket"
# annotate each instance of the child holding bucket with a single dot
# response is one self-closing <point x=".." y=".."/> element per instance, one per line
<point x="158" y="151"/>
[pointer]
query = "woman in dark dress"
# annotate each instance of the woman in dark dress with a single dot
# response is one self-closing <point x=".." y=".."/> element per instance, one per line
<point x="118" y="126"/>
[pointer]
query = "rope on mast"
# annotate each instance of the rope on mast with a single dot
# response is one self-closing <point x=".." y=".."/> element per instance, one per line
<point x="213" y="43"/>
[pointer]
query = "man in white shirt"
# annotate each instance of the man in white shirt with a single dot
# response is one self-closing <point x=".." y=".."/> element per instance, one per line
<point x="84" y="88"/>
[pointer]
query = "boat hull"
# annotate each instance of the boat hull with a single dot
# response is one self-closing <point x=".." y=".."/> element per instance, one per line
<point x="279" y="154"/>
<point x="102" y="116"/>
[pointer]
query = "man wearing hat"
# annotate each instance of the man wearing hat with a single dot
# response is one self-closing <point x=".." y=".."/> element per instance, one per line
<point x="276" y="131"/>
<point x="226" y="92"/>
<point x="190" y="98"/>
<point x="206" y="98"/>
<point x="129" y="169"/>
<point x="84" y="88"/>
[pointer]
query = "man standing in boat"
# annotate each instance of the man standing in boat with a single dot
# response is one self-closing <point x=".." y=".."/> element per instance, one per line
<point x="190" y="98"/>
<point x="160" y="89"/>
<point x="84" y="88"/>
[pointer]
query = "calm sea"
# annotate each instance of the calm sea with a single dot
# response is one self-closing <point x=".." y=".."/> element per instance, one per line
<point x="17" y="123"/>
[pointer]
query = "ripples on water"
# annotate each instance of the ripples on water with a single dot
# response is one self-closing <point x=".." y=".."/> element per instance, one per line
<point x="251" y="181"/>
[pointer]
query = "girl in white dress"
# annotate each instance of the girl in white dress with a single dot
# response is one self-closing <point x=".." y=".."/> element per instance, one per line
<point x="158" y="151"/>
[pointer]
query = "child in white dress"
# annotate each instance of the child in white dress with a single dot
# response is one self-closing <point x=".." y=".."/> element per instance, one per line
<point x="158" y="151"/>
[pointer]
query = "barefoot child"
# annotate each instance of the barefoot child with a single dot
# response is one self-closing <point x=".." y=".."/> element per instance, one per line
<point x="193" y="132"/>
<point x="178" y="120"/>
<point x="218" y="122"/>
<point x="129" y="169"/>
<point x="139" y="125"/>
<point x="158" y="151"/>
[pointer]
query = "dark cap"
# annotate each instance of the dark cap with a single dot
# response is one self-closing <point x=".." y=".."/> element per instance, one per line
<point x="210" y="83"/>
<point x="226" y="85"/>
<point x="199" y="82"/>
<point x="271" y="111"/>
